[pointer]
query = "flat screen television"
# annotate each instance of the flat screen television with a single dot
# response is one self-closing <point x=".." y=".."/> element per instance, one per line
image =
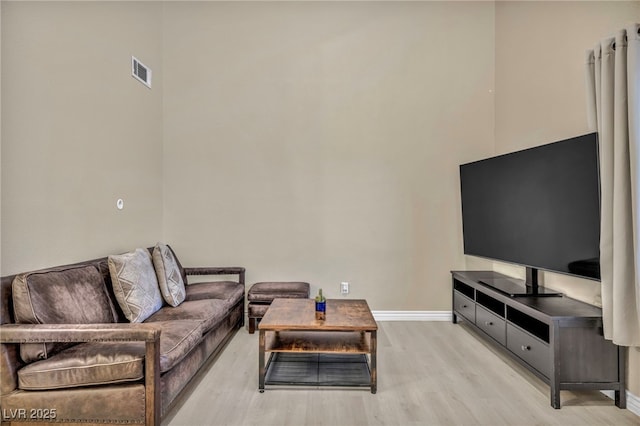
<point x="539" y="208"/>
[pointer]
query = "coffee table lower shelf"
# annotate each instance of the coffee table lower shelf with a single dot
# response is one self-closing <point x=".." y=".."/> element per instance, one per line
<point x="318" y="370"/>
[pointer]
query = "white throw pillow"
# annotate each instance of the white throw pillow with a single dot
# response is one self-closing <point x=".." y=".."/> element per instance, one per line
<point x="135" y="284"/>
<point x="169" y="276"/>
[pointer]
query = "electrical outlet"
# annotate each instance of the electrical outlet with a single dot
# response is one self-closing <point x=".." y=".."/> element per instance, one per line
<point x="344" y="287"/>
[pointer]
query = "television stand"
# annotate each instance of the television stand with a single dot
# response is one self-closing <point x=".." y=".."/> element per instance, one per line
<point x="558" y="339"/>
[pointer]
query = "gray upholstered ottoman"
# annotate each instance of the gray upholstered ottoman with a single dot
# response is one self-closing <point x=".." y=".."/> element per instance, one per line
<point x="261" y="295"/>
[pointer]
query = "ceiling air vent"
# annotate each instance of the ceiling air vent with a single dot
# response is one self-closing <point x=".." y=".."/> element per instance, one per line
<point x="141" y="72"/>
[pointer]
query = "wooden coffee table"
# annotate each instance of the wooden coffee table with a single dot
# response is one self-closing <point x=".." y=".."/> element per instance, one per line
<point x="349" y="332"/>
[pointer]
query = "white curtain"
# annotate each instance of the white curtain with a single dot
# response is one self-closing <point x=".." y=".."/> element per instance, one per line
<point x="613" y="96"/>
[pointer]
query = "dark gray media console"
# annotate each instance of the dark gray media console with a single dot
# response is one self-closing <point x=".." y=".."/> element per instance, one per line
<point x="558" y="339"/>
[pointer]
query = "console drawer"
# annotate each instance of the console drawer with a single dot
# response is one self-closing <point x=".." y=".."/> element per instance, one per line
<point x="491" y="324"/>
<point x="531" y="350"/>
<point x="464" y="306"/>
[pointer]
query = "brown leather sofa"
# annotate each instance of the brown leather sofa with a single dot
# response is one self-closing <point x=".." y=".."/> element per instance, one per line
<point x="107" y="371"/>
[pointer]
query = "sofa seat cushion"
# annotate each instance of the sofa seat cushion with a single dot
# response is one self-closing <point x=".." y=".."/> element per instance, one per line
<point x="66" y="295"/>
<point x="210" y="312"/>
<point x="86" y="364"/>
<point x="102" y="363"/>
<point x="177" y="339"/>
<point x="229" y="291"/>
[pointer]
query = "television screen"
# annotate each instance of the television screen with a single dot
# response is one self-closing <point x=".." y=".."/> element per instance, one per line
<point x="539" y="207"/>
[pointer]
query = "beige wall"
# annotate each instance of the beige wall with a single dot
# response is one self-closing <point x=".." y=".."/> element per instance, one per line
<point x="541" y="97"/>
<point x="320" y="141"/>
<point x="78" y="131"/>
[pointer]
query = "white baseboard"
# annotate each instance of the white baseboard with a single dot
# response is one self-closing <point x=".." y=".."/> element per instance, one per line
<point x="633" y="402"/>
<point x="412" y="315"/>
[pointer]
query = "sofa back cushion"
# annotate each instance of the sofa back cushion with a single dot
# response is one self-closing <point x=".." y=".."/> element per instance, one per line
<point x="135" y="284"/>
<point x="68" y="295"/>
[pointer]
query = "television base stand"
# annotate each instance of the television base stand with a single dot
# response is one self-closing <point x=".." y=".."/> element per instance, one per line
<point x="516" y="288"/>
<point x="542" y="292"/>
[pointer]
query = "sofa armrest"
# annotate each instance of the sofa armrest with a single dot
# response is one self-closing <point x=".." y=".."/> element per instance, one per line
<point x="49" y="333"/>
<point x="148" y="333"/>
<point x="229" y="270"/>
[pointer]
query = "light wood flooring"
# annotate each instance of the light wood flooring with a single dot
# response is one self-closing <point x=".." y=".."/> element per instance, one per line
<point x="429" y="373"/>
